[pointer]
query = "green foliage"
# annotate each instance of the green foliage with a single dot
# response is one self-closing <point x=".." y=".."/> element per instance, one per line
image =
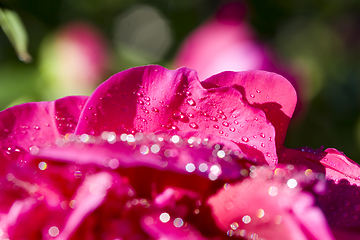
<point x="14" y="29"/>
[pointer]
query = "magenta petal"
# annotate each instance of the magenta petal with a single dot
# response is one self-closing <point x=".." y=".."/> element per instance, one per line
<point x="38" y="124"/>
<point x="172" y="229"/>
<point x="170" y="195"/>
<point x="333" y="163"/>
<point x="89" y="196"/>
<point x="267" y="91"/>
<point x="341" y="205"/>
<point x="19" y="207"/>
<point x="152" y="98"/>
<point x="183" y="157"/>
<point x="269" y="208"/>
<point x="306" y="159"/>
<point x="311" y="217"/>
<point x="338" y="167"/>
<point x="67" y="112"/>
<point x="343" y="233"/>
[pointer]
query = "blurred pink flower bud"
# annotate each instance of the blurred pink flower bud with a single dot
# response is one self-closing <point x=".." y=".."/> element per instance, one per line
<point x="74" y="60"/>
<point x="226" y="42"/>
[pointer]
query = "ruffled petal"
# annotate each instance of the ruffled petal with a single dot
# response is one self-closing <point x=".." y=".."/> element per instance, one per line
<point x="170" y="229"/>
<point x="267" y="91"/>
<point x="268" y="207"/>
<point x="334" y="164"/>
<point x="152" y="98"/>
<point x="38" y="124"/>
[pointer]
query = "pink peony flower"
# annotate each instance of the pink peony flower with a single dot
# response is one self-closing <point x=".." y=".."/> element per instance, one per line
<point x="157" y="154"/>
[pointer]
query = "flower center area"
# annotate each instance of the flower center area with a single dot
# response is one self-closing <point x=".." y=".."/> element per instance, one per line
<point x="155" y="185"/>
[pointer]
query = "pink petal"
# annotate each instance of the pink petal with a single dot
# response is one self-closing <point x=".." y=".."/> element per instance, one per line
<point x="343" y="233"/>
<point x="173" y="194"/>
<point x="341" y="205"/>
<point x="89" y="196"/>
<point x="339" y="200"/>
<point x="338" y="167"/>
<point x="38" y="124"/>
<point x="269" y="209"/>
<point x="264" y="90"/>
<point x="173" y="229"/>
<point x="333" y="163"/>
<point x="152" y="98"/>
<point x="19" y="207"/>
<point x="183" y="156"/>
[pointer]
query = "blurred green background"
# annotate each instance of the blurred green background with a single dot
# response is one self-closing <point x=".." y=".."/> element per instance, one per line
<point x="319" y="38"/>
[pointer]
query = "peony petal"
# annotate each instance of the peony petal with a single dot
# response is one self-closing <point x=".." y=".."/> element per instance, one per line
<point x="152" y="98"/>
<point x="18" y="207"/>
<point x="267" y="91"/>
<point x="38" y="124"/>
<point x="345" y="233"/>
<point x="333" y="163"/>
<point x="338" y="167"/>
<point x="311" y="217"/>
<point x="172" y="229"/>
<point x="89" y="196"/>
<point x="339" y="199"/>
<point x="268" y="208"/>
<point x="341" y="205"/>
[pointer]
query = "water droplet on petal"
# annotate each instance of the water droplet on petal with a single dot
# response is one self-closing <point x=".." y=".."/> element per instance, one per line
<point x="252" y="95"/>
<point x="234" y="225"/>
<point x="191" y="102"/>
<point x="193" y="125"/>
<point x="244" y="139"/>
<point x="178" y="222"/>
<point x="232" y="129"/>
<point x="246" y="219"/>
<point x="190" y="115"/>
<point x="34" y="149"/>
<point x="174" y="127"/>
<point x="42" y="165"/>
<point x="54" y="231"/>
<point x="225" y="124"/>
<point x="77" y="174"/>
<point x="177" y="115"/>
<point x="164" y="217"/>
<point x="190" y="167"/>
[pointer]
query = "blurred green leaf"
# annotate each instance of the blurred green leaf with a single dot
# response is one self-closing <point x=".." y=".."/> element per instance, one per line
<point x="14" y="29"/>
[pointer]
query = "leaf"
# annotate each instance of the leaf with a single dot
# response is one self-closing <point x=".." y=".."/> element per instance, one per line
<point x="14" y="29"/>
